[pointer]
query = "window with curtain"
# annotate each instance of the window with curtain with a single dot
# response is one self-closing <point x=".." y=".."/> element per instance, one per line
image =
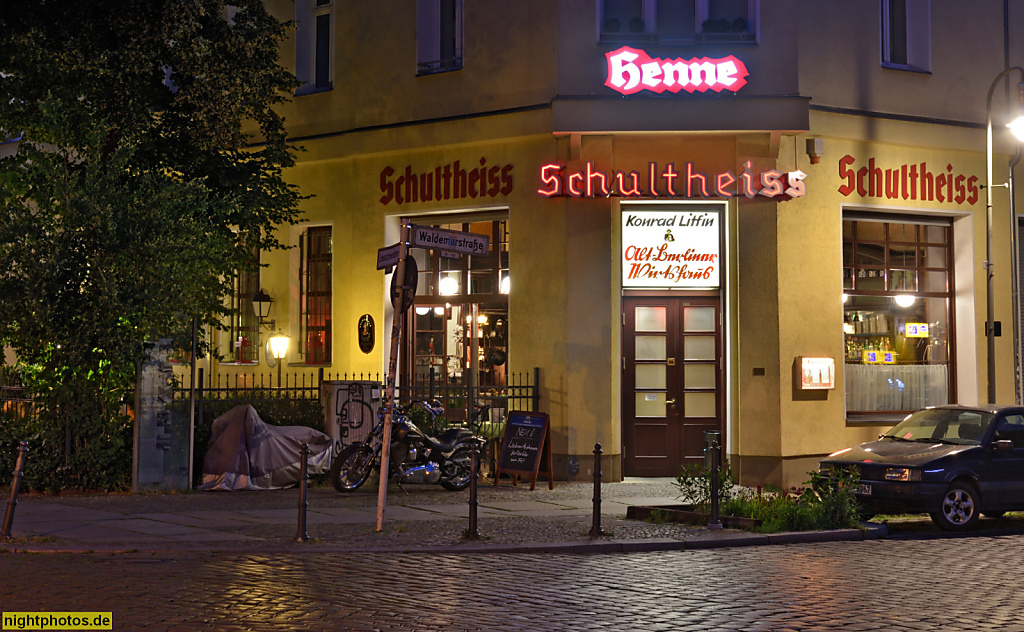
<point x="315" y="295"/>
<point x="897" y="308"/>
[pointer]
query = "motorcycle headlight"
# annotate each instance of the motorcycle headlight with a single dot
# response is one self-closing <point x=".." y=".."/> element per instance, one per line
<point x="905" y="474"/>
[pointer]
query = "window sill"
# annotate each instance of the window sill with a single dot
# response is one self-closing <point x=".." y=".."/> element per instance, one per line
<point x="891" y="66"/>
<point x="254" y="363"/>
<point x="311" y="89"/>
<point x="699" y="39"/>
<point x="427" y="70"/>
<point x="875" y="419"/>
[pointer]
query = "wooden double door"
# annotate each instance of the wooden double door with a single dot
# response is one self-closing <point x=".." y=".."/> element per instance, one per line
<point x="672" y="382"/>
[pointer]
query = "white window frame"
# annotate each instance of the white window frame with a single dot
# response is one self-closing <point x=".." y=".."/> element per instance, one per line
<point x="918" y="36"/>
<point x="428" y="38"/>
<point x="307" y="13"/>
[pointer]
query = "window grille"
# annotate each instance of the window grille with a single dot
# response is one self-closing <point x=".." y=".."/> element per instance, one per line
<point x="245" y="326"/>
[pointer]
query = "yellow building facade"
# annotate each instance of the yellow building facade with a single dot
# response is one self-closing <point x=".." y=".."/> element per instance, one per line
<point x="700" y="216"/>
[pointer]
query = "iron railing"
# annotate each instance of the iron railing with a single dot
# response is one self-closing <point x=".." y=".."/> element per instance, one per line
<point x="459" y="400"/>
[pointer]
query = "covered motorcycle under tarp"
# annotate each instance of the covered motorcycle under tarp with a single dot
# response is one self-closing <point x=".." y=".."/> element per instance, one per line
<point x="245" y="453"/>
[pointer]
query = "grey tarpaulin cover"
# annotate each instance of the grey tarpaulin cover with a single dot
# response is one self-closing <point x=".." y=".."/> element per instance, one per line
<point x="246" y="453"/>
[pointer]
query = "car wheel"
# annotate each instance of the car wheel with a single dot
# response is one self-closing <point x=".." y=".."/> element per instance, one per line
<point x="959" y="508"/>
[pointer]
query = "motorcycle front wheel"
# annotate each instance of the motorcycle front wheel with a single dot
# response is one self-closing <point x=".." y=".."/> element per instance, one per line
<point x="351" y="467"/>
<point x="458" y="471"/>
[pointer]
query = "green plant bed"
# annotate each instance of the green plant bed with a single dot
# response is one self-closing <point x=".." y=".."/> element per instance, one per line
<point x="827" y="503"/>
<point x="686" y="514"/>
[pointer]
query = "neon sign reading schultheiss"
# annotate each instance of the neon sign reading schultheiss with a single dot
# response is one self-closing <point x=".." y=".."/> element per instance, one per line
<point x="631" y="70"/>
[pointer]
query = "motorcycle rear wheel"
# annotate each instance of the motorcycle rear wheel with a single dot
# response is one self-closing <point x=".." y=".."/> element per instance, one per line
<point x="458" y="471"/>
<point x="351" y="467"/>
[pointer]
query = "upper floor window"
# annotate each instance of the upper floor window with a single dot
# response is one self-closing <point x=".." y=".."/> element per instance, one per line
<point x="438" y="36"/>
<point x="315" y="294"/>
<point x="314" y="47"/>
<point x="906" y="34"/>
<point x="678" y="21"/>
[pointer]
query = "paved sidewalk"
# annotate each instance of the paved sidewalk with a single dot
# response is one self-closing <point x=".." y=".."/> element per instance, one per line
<point x="419" y="518"/>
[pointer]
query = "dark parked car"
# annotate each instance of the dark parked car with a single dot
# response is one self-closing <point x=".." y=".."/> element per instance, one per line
<point x="952" y="462"/>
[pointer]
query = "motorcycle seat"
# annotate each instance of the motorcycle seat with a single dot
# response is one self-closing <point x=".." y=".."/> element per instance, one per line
<point x="447" y="439"/>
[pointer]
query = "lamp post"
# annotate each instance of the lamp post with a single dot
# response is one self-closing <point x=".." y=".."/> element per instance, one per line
<point x="278" y="347"/>
<point x="1017" y="127"/>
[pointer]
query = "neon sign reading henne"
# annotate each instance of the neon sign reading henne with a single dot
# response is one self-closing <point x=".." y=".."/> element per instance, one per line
<point x="631" y="70"/>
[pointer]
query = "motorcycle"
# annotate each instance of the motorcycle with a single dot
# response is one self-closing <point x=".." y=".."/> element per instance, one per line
<point x="415" y="457"/>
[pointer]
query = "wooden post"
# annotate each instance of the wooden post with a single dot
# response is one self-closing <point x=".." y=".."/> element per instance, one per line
<point x="389" y="391"/>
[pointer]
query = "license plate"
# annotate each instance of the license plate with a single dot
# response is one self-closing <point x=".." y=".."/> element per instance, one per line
<point x="861" y="490"/>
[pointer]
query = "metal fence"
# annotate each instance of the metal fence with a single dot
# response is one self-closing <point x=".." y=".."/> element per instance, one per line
<point x="460" y="400"/>
<point x="15" y="400"/>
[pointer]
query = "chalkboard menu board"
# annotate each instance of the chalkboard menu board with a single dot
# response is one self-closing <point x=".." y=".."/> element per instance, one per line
<point x="522" y="448"/>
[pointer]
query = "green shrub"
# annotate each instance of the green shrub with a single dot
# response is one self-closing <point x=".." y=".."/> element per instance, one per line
<point x="100" y="451"/>
<point x="827" y="503"/>
<point x="694" y="485"/>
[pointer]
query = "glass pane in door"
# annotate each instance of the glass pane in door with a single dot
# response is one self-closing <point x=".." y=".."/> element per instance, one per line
<point x="651" y="348"/>
<point x="650" y="376"/>
<point x="699" y="347"/>
<point x="650" y="318"/>
<point x="698" y="318"/>
<point x="699" y="376"/>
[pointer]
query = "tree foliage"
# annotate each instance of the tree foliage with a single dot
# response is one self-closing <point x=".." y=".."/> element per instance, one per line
<point x="147" y="145"/>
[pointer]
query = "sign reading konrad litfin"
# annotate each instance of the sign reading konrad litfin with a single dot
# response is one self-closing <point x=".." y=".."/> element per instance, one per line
<point x="450" y="240"/>
<point x="671" y="249"/>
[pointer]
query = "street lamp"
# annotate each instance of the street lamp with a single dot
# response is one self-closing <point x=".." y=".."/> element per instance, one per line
<point x="261" y="302"/>
<point x="1017" y="128"/>
<point x="277" y="345"/>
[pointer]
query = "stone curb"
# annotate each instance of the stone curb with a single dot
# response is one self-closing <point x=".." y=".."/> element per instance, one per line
<point x="869" y="531"/>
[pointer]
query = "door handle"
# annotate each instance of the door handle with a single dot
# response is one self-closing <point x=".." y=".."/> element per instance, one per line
<point x="670" y="402"/>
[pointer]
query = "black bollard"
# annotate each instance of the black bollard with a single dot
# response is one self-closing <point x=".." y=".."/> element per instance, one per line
<point x="15" y="485"/>
<point x="473" y="533"/>
<point x="595" y="530"/>
<point x="715" y="522"/>
<point x="302" y="536"/>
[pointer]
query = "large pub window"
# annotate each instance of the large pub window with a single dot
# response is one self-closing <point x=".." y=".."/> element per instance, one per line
<point x="316" y="296"/>
<point x="461" y="306"/>
<point x="897" y="308"/>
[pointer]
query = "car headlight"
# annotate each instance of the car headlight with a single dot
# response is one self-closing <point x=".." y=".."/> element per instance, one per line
<point x="826" y="468"/>
<point x="902" y="474"/>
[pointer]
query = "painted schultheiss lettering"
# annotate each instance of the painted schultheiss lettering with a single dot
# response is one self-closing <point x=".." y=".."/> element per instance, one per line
<point x="631" y="70"/>
<point x="446" y="182"/>
<point x="687" y="182"/>
<point x="909" y="182"/>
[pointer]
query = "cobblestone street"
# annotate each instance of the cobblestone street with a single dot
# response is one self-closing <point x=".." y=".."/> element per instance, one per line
<point x="932" y="584"/>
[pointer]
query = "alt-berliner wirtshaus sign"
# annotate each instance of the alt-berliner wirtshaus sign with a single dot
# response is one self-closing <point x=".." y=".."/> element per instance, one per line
<point x="631" y="70"/>
<point x="671" y="249"/>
